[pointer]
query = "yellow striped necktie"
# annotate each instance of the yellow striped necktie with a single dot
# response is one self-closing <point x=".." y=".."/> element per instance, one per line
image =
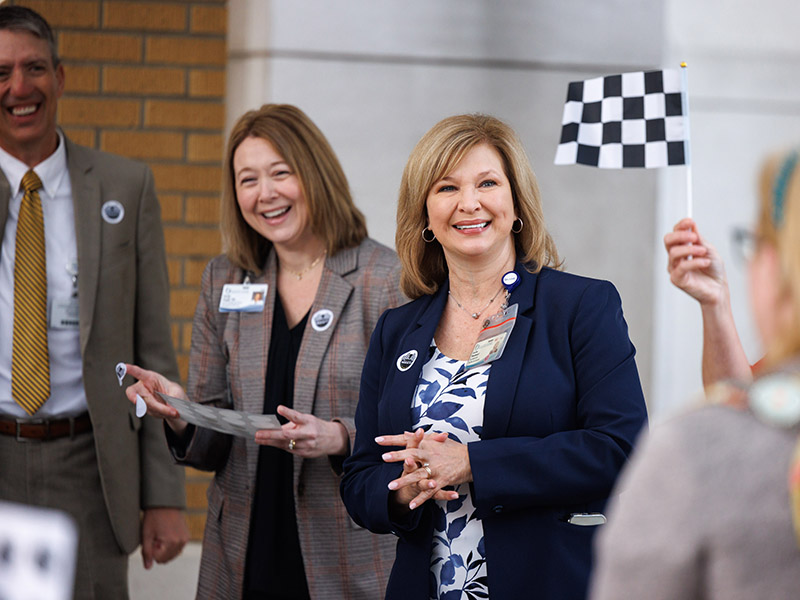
<point x="30" y="360"/>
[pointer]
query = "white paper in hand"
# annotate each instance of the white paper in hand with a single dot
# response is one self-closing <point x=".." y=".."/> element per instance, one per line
<point x="224" y="420"/>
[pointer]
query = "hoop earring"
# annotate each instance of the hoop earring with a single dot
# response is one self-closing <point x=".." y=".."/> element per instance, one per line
<point x="521" y="225"/>
<point x="432" y="237"/>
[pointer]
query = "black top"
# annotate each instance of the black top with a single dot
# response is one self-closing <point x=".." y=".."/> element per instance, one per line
<point x="274" y="566"/>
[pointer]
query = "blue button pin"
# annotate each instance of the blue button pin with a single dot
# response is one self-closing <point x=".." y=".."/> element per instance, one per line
<point x="510" y="281"/>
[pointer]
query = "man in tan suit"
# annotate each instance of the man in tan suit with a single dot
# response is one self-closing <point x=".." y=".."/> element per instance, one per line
<point x="98" y="295"/>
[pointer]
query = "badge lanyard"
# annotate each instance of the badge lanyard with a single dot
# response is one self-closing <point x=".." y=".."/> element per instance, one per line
<point x="494" y="336"/>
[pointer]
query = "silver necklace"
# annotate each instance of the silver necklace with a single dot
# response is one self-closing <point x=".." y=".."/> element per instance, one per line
<point x="314" y="263"/>
<point x="476" y="315"/>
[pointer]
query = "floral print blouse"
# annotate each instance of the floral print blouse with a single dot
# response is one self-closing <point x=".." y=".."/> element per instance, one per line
<point x="450" y="399"/>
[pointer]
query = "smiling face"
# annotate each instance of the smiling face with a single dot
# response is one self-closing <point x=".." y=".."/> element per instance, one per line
<point x="471" y="209"/>
<point x="30" y="87"/>
<point x="269" y="195"/>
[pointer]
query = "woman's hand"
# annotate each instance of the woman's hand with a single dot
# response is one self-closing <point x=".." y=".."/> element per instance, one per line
<point x="306" y="435"/>
<point x="431" y="462"/>
<point x="149" y="383"/>
<point x="694" y="265"/>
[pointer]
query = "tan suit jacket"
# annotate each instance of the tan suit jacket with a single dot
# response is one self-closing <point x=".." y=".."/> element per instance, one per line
<point x="123" y="291"/>
<point x="228" y="367"/>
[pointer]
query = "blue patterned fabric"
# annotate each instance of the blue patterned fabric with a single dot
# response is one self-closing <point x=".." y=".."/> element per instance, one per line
<point x="450" y="399"/>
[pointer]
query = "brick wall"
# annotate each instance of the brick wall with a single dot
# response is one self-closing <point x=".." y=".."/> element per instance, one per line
<point x="146" y="79"/>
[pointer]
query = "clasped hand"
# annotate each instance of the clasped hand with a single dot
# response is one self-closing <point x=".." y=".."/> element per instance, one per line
<point x="431" y="462"/>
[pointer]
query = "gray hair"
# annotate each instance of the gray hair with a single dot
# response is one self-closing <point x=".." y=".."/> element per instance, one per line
<point x="20" y="18"/>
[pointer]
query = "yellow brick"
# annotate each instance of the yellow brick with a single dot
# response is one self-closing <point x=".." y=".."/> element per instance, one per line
<point x="144" y="81"/>
<point x="197" y="525"/>
<point x="209" y="19"/>
<point x="193" y="271"/>
<point x="67" y="13"/>
<point x="174" y="270"/>
<point x="143" y="144"/>
<point x="182" y="302"/>
<point x="186" y="337"/>
<point x="182" y="241"/>
<point x="201" y="209"/>
<point x="193" y="474"/>
<point x="84" y="137"/>
<point x="205" y="148"/>
<point x="144" y="15"/>
<point x="196" y="494"/>
<point x="176" y="334"/>
<point x="103" y="47"/>
<point x="183" y="369"/>
<point x="80" y="78"/>
<point x="205" y="83"/>
<point x="189" y="115"/>
<point x="100" y="112"/>
<point x="185" y="51"/>
<point x="187" y="178"/>
<point x="171" y="207"/>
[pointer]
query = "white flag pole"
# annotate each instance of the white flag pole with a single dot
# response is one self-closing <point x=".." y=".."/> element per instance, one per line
<point x="687" y="136"/>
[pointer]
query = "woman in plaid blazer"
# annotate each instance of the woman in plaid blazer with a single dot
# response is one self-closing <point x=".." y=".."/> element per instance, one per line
<point x="276" y="527"/>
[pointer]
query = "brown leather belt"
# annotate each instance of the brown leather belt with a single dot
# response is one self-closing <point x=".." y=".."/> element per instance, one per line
<point x="45" y="429"/>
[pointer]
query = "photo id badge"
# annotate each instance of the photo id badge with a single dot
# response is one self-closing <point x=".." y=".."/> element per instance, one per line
<point x="65" y="313"/>
<point x="243" y="297"/>
<point x="493" y="338"/>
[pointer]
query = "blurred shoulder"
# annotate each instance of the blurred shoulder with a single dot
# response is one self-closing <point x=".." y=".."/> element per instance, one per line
<point x="712" y="438"/>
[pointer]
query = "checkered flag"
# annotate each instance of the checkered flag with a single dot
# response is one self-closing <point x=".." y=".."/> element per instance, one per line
<point x="627" y="120"/>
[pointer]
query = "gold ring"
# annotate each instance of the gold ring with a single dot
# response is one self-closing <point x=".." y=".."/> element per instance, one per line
<point x="292" y="444"/>
<point x="427" y="467"/>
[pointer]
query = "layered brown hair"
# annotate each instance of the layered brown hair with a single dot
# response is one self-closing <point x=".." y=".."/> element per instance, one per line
<point x="437" y="154"/>
<point x="334" y="217"/>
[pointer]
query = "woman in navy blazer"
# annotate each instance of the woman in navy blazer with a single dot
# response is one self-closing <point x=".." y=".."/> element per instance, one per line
<point x="498" y="490"/>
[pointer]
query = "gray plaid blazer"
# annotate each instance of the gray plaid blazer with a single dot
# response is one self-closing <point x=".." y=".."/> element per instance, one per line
<point x="227" y="368"/>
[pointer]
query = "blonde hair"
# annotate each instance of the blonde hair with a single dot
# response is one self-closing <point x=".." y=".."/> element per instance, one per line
<point x="437" y="154"/>
<point x="779" y="225"/>
<point x="334" y="217"/>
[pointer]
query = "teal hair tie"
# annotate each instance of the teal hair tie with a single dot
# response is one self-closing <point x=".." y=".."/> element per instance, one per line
<point x="779" y="189"/>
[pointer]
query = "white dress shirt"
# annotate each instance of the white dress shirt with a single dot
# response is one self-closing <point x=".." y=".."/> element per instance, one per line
<point x="67" y="396"/>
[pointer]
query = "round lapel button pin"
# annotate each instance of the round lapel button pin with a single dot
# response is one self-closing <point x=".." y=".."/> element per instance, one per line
<point x="321" y="319"/>
<point x="406" y="360"/>
<point x="113" y="212"/>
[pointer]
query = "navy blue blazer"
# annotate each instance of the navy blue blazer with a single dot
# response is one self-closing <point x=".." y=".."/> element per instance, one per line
<point x="563" y="407"/>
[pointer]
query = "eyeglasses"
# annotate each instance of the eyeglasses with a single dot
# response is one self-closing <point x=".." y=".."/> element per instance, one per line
<point x="746" y="243"/>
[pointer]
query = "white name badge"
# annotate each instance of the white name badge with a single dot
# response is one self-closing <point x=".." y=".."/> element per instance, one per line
<point x="65" y="313"/>
<point x="243" y="297"/>
<point x="493" y="338"/>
